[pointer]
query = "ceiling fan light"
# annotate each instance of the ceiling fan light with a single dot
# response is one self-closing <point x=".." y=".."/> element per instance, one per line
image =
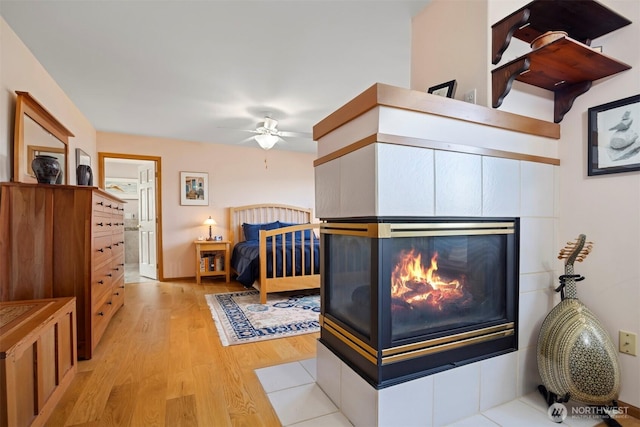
<point x="270" y="123"/>
<point x="266" y="141"/>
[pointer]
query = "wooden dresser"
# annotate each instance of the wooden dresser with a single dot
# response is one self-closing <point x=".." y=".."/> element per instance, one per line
<point x="37" y="358"/>
<point x="64" y="240"/>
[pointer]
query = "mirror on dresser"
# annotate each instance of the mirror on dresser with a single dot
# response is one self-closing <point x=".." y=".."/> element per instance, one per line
<point x="37" y="132"/>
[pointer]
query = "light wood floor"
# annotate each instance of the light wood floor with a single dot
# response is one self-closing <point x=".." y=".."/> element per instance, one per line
<point x="160" y="363"/>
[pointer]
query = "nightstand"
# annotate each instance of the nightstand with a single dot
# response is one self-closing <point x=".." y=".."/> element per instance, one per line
<point x="212" y="259"/>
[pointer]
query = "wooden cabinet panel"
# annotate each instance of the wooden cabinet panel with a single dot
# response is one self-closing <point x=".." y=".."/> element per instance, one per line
<point x="37" y="358"/>
<point x="28" y="236"/>
<point x="23" y="386"/>
<point x="62" y="240"/>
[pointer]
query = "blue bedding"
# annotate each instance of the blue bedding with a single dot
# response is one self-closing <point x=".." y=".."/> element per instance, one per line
<point x="246" y="263"/>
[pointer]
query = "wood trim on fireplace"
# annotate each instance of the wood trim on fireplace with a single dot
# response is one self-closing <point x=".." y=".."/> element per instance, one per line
<point x="435" y="145"/>
<point x="413" y="100"/>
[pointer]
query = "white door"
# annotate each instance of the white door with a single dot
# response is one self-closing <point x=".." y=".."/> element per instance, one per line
<point x="147" y="217"/>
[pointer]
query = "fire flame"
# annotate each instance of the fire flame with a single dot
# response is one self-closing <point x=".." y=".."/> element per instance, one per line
<point x="412" y="282"/>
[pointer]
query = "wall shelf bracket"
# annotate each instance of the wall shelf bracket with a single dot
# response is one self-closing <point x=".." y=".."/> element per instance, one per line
<point x="502" y="79"/>
<point x="502" y="32"/>
<point x="564" y="99"/>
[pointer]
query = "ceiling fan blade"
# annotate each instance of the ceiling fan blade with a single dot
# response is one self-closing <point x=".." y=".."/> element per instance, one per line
<point x="307" y="135"/>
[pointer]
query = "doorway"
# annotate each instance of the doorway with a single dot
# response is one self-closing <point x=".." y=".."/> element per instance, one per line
<point x="136" y="179"/>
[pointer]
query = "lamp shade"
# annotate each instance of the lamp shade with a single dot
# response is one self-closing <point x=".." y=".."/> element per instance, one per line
<point x="266" y="141"/>
<point x="210" y="221"/>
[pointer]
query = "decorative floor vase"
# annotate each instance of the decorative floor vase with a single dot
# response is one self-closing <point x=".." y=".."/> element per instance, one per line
<point x="576" y="357"/>
<point x="46" y="168"/>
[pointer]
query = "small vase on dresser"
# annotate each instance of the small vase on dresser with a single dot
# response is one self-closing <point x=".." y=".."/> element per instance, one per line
<point x="84" y="175"/>
<point x="46" y="168"/>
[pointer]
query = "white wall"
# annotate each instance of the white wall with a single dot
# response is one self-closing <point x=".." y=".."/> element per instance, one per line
<point x="238" y="175"/>
<point x="19" y="70"/>
<point x="605" y="208"/>
<point x="440" y="33"/>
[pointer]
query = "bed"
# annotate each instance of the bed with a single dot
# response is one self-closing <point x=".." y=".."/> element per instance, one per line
<point x="263" y="236"/>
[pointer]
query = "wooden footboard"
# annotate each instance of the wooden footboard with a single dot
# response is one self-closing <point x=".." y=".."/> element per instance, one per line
<point x="295" y="252"/>
<point x="265" y="213"/>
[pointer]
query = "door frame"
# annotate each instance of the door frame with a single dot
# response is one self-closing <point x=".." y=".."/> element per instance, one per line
<point x="158" y="160"/>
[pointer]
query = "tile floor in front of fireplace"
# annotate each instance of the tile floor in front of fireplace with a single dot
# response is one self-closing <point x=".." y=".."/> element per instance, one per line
<point x="299" y="402"/>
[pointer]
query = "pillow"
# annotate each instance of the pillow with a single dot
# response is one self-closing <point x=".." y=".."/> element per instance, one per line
<point x="252" y="231"/>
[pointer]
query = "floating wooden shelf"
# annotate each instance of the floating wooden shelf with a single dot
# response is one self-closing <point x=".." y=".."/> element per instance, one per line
<point x="562" y="67"/>
<point x="566" y="66"/>
<point x="583" y="20"/>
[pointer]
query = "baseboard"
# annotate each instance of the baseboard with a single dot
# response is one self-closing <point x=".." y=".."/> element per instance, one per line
<point x="633" y="411"/>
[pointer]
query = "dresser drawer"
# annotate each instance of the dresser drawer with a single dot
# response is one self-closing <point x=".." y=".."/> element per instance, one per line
<point x="102" y="312"/>
<point x="102" y="249"/>
<point x="101" y="278"/>
<point x="115" y="208"/>
<point x="117" y="268"/>
<point x="100" y="203"/>
<point x="101" y="224"/>
<point x="117" y="248"/>
<point x="118" y="297"/>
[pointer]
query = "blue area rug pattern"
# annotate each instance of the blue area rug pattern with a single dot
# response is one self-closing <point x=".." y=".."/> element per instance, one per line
<point x="240" y="318"/>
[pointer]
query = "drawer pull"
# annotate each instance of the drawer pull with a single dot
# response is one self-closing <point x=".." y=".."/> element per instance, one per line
<point x="116" y="269"/>
<point x="122" y="264"/>
<point x="109" y="224"/>
<point x="109" y="275"/>
<point x="100" y="203"/>
<point x="121" y="286"/>
<point x="109" y="205"/>
<point x="100" y="313"/>
<point x="108" y="247"/>
<point x="101" y="250"/>
<point x="100" y="282"/>
<point x="116" y="244"/>
<point x="109" y="302"/>
<point x="99" y="224"/>
<point x="117" y="293"/>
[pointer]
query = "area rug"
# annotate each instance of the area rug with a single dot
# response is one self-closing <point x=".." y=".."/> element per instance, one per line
<point x="240" y="318"/>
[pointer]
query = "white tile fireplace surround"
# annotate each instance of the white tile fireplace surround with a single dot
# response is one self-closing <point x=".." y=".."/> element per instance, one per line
<point x="396" y="152"/>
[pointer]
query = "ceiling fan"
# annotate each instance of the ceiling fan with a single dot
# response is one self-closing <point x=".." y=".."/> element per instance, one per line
<point x="267" y="133"/>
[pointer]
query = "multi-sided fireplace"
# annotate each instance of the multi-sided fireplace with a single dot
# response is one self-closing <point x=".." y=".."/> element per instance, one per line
<point x="407" y="297"/>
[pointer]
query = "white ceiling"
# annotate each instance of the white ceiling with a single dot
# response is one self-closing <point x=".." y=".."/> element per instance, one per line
<point x="198" y="70"/>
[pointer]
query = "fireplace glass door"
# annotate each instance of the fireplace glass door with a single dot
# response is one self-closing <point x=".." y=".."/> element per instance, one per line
<point x="440" y="283"/>
<point x="420" y="279"/>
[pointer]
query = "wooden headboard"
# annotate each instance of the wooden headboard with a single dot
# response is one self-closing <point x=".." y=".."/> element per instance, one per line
<point x="263" y="213"/>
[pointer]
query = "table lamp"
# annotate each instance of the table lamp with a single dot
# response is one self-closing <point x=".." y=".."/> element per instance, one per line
<point x="210" y="221"/>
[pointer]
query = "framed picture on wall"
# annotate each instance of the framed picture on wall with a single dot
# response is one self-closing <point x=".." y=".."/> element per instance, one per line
<point x="194" y="188"/>
<point x="447" y="89"/>
<point x="82" y="158"/>
<point x="614" y="137"/>
<point x="123" y="188"/>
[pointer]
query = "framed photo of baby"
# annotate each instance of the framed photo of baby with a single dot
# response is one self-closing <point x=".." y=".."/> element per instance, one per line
<point x="194" y="188"/>
<point x="614" y="137"/>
